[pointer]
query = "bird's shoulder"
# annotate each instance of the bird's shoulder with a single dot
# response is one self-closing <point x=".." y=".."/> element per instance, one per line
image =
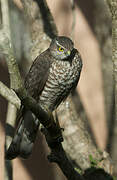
<point x="43" y="60"/>
<point x="38" y="74"/>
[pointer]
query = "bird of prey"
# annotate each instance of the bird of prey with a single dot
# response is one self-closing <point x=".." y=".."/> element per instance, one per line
<point x="51" y="78"/>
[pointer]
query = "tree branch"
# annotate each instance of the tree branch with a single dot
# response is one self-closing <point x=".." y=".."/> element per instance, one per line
<point x="10" y="95"/>
<point x="113" y="9"/>
<point x="77" y="141"/>
<point x="7" y="47"/>
<point x="59" y="156"/>
<point x="72" y="2"/>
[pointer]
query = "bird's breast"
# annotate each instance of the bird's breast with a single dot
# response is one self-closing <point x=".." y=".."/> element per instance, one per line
<point x="63" y="77"/>
<point x="64" y="72"/>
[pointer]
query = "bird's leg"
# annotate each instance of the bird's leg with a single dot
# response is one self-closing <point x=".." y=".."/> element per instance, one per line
<point x="52" y="130"/>
<point x="57" y="120"/>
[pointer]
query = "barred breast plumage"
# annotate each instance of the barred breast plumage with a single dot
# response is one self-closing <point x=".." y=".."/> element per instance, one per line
<point x="63" y="77"/>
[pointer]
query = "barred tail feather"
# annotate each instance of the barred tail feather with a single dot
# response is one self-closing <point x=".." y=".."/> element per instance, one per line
<point x="23" y="141"/>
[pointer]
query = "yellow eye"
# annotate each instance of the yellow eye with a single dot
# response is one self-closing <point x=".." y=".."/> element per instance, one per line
<point x="61" y="49"/>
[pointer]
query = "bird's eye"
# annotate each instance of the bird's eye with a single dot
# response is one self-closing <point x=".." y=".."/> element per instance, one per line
<point x="61" y="49"/>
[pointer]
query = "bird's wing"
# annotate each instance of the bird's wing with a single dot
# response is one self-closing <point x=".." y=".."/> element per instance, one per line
<point x="22" y="143"/>
<point x="38" y="74"/>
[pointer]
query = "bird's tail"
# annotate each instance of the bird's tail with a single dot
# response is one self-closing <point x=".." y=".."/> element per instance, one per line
<point x="24" y="138"/>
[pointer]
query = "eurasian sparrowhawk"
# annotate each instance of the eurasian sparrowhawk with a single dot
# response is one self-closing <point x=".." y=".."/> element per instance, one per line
<point x="51" y="78"/>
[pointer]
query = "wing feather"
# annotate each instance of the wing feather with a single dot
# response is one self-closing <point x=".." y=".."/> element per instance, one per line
<point x="38" y="74"/>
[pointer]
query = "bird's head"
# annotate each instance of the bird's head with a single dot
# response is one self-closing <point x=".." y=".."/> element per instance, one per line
<point x="61" y="47"/>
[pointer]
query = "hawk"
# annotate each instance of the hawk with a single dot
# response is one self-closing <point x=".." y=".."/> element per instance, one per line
<point x="51" y="78"/>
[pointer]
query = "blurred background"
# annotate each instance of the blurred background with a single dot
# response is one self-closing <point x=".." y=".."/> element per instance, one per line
<point x="92" y="37"/>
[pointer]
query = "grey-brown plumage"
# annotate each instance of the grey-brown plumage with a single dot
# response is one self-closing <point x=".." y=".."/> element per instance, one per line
<point x="52" y="76"/>
<point x="54" y="73"/>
